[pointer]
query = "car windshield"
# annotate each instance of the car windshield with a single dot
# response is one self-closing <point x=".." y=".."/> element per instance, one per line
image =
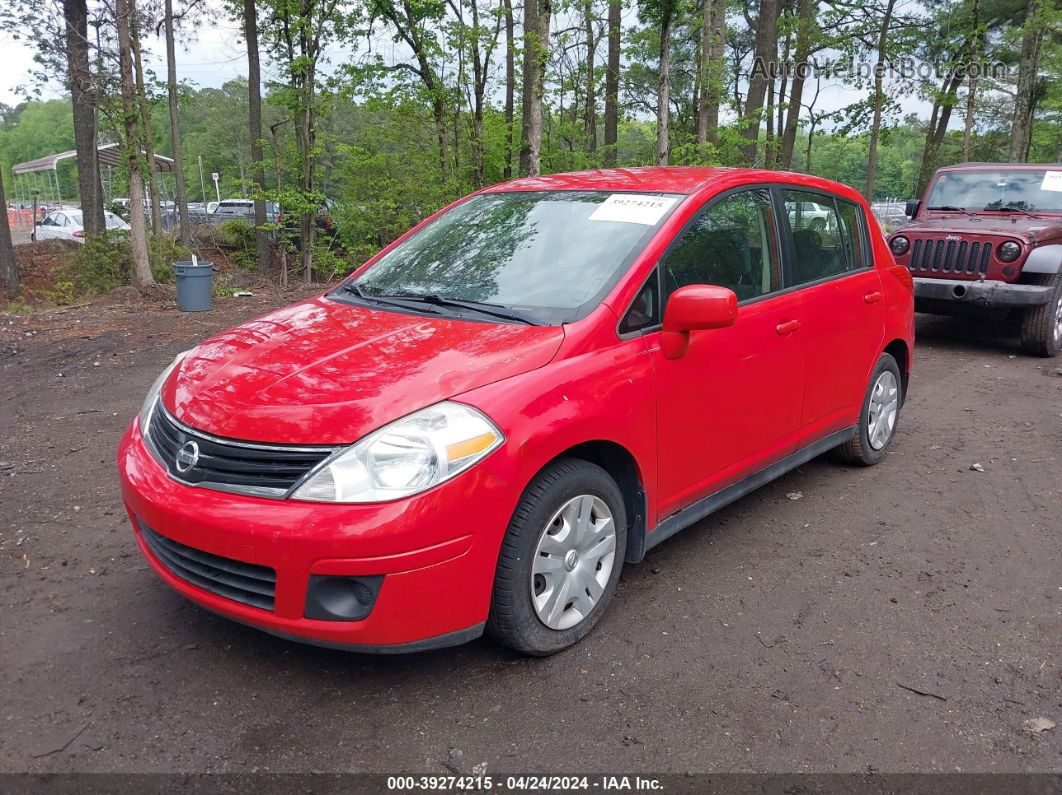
<point x="551" y="254"/>
<point x="998" y="189"/>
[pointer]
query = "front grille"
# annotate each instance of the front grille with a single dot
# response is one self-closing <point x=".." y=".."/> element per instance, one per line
<point x="233" y="579"/>
<point x="957" y="257"/>
<point x="226" y="464"/>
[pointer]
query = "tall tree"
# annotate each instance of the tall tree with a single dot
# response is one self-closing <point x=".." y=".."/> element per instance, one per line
<point x="125" y="13"/>
<point x="664" y="12"/>
<point x="83" y="97"/>
<point x="175" y="126"/>
<point x="299" y="31"/>
<point x="537" y="15"/>
<point x="254" y="127"/>
<point x="147" y="135"/>
<point x="590" y="95"/>
<point x="806" y="13"/>
<point x="765" y="55"/>
<point x="713" y="42"/>
<point x="612" y="80"/>
<point x="878" y="98"/>
<point x="9" y="276"/>
<point x="1028" y="66"/>
<point x="510" y="86"/>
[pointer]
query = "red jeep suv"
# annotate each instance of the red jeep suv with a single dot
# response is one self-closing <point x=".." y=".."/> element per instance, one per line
<point x="988" y="236"/>
<point x="537" y="384"/>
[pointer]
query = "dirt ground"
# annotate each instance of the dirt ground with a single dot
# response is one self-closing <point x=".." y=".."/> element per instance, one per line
<point x="906" y="617"/>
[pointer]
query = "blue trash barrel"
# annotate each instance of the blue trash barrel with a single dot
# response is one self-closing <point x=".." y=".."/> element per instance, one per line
<point x="194" y="285"/>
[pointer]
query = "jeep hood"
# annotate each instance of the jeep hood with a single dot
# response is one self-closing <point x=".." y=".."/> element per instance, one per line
<point x="1031" y="230"/>
<point x="325" y="372"/>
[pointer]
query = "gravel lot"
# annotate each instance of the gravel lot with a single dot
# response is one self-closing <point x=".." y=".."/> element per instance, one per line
<point x="902" y="618"/>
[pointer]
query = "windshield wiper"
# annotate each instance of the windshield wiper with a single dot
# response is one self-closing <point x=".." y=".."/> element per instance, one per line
<point x="1012" y="208"/>
<point x="949" y="208"/>
<point x="484" y="308"/>
<point x="371" y="298"/>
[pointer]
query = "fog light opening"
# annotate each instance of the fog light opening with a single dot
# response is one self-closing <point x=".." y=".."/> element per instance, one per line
<point x="331" y="598"/>
<point x="959" y="291"/>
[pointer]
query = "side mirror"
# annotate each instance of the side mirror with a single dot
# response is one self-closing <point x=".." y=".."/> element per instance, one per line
<point x="695" y="307"/>
<point x="911" y="210"/>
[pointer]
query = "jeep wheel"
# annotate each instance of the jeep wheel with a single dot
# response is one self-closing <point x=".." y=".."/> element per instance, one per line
<point x="1041" y="327"/>
<point x="560" y="559"/>
<point x="877" y="420"/>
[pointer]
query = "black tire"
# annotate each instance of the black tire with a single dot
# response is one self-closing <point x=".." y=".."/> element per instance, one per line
<point x="513" y="620"/>
<point x="859" y="450"/>
<point x="1039" y="325"/>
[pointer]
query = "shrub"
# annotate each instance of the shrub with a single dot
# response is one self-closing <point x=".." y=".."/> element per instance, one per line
<point x="163" y="251"/>
<point x="101" y="264"/>
<point x="238" y="236"/>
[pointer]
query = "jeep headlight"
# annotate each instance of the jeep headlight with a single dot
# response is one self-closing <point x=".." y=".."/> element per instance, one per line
<point x="153" y="394"/>
<point x="899" y="245"/>
<point x="405" y="457"/>
<point x="1009" y="251"/>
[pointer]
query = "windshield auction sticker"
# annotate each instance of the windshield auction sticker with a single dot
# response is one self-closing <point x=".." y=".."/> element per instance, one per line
<point x="633" y="208"/>
<point x="1052" y="181"/>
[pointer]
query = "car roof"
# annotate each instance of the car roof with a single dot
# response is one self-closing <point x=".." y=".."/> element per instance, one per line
<point x="977" y="166"/>
<point x="664" y="179"/>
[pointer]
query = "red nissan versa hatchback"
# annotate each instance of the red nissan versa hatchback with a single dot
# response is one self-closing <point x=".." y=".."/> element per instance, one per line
<point x="542" y="381"/>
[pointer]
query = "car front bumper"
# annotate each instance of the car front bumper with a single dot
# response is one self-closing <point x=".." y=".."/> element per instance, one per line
<point x="436" y="553"/>
<point x="987" y="293"/>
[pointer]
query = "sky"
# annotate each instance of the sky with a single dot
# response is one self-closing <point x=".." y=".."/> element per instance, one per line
<point x="217" y="55"/>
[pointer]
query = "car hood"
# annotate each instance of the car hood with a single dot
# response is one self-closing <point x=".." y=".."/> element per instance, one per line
<point x="325" y="372"/>
<point x="1023" y="227"/>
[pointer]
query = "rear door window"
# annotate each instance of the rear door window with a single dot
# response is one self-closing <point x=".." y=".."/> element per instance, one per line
<point x="819" y="246"/>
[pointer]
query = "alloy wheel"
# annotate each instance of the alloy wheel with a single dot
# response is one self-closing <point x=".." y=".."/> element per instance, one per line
<point x="573" y="561"/>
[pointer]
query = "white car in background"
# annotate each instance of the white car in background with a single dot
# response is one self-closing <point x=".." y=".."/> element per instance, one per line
<point x="67" y="225"/>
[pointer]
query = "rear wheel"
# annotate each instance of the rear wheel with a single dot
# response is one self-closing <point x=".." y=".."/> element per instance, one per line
<point x="560" y="559"/>
<point x="1041" y="326"/>
<point x="878" y="418"/>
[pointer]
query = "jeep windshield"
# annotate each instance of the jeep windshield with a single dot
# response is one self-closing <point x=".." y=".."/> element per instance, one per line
<point x="545" y="257"/>
<point x="998" y="190"/>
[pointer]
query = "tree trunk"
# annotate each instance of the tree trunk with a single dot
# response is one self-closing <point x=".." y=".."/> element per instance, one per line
<point x="590" y="123"/>
<point x="806" y="10"/>
<point x="536" y="50"/>
<point x="612" y="74"/>
<point x="147" y="136"/>
<point x="175" y="127"/>
<point x="713" y="40"/>
<point x="254" y="126"/>
<point x="307" y="137"/>
<point x="1021" y="127"/>
<point x="763" y="68"/>
<point x="938" y="126"/>
<point x="663" y="84"/>
<point x="878" y="99"/>
<point x="83" y="97"/>
<point x="9" y="278"/>
<point x="125" y="11"/>
<point x="768" y="136"/>
<point x="510" y="87"/>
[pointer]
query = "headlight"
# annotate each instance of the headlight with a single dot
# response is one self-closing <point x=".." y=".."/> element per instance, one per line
<point x="899" y="245"/>
<point x="1009" y="251"/>
<point x="153" y="393"/>
<point x="406" y="457"/>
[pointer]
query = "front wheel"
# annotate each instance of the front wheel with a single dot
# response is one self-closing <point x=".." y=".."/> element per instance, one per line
<point x="560" y="559"/>
<point x="1041" y="326"/>
<point x="878" y="417"/>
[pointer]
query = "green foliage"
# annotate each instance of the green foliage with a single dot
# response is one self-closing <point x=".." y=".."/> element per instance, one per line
<point x="163" y="251"/>
<point x="238" y="237"/>
<point x="100" y="264"/>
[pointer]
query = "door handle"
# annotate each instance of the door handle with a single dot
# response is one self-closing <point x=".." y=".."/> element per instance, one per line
<point x="788" y="327"/>
<point x="872" y="298"/>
